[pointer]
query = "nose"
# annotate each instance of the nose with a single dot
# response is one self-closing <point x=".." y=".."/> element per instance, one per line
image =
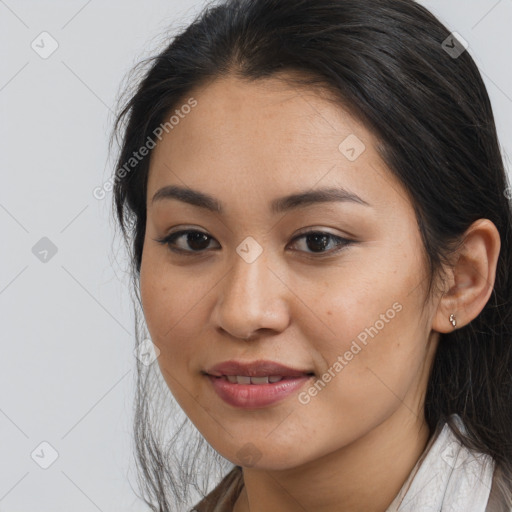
<point x="252" y="298"/>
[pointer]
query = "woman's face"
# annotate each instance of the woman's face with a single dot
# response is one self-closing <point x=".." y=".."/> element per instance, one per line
<point x="252" y="285"/>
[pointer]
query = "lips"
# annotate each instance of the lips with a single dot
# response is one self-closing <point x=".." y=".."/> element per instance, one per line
<point x="256" y="384"/>
<point x="245" y="372"/>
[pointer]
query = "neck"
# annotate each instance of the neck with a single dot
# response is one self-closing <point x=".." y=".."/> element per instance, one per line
<point x="365" y="475"/>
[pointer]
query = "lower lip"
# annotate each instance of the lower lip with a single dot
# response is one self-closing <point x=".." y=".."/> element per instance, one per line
<point x="254" y="396"/>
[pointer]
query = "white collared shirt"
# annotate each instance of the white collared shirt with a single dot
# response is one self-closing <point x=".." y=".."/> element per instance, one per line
<point x="447" y="478"/>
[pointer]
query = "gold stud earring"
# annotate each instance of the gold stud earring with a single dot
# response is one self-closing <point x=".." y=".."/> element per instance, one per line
<point x="452" y="320"/>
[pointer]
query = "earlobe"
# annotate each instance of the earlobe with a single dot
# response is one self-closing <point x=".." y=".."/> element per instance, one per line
<point x="471" y="278"/>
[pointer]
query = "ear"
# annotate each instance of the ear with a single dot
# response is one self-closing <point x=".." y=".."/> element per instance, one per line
<point x="471" y="280"/>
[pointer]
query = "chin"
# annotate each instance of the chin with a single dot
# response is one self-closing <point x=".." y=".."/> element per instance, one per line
<point x="259" y="456"/>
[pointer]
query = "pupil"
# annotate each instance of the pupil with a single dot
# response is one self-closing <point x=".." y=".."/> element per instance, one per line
<point x="319" y="239"/>
<point x="194" y="240"/>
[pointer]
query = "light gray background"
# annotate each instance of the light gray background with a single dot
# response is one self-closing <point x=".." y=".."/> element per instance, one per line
<point x="67" y="365"/>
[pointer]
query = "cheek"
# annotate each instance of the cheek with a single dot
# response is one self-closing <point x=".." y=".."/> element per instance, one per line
<point x="159" y="299"/>
<point x="169" y="325"/>
<point x="153" y="294"/>
<point x="363" y="382"/>
<point x="373" y="336"/>
<point x="175" y="309"/>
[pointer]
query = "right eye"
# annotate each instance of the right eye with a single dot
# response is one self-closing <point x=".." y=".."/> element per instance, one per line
<point x="193" y="239"/>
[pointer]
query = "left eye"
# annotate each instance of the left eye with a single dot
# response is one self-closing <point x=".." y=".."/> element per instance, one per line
<point x="316" y="241"/>
<point x="319" y="241"/>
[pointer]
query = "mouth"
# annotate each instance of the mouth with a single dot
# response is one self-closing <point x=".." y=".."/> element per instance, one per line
<point x="254" y="370"/>
<point x="256" y="384"/>
<point x="255" y="392"/>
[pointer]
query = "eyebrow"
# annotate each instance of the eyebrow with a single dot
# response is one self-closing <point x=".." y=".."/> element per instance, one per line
<point x="282" y="204"/>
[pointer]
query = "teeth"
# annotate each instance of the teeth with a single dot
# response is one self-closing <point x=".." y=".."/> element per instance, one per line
<point x="259" y="380"/>
<point x="243" y="379"/>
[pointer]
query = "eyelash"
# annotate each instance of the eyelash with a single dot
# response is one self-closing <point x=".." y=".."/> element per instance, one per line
<point x="170" y="239"/>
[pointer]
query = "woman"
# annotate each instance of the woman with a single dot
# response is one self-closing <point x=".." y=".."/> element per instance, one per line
<point x="316" y="207"/>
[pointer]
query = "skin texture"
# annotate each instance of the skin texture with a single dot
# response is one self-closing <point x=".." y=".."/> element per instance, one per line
<point x="352" y="445"/>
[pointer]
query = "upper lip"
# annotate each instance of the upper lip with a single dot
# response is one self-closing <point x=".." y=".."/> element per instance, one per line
<point x="259" y="368"/>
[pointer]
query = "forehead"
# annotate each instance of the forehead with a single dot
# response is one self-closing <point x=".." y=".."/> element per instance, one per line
<point x="230" y="109"/>
<point x="265" y="135"/>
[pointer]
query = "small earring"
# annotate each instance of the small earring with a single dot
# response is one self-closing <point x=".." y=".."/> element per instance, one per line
<point x="452" y="320"/>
